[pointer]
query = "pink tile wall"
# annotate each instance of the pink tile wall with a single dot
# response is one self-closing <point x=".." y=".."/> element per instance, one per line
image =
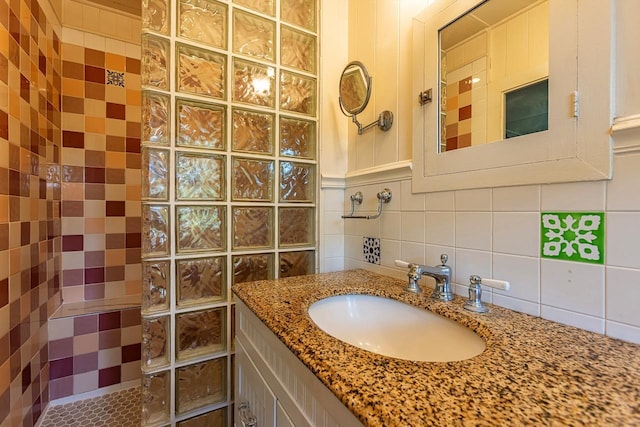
<point x="93" y="351"/>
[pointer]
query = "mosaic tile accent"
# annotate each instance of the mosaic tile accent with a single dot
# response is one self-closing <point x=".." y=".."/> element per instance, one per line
<point x="371" y="250"/>
<point x="573" y="236"/>
<point x="121" y="408"/>
<point x="115" y="78"/>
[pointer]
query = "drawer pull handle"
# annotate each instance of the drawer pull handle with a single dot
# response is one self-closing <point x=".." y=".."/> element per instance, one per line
<point x="246" y="416"/>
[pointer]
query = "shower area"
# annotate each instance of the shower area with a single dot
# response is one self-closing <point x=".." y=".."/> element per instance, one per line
<point x="151" y="155"/>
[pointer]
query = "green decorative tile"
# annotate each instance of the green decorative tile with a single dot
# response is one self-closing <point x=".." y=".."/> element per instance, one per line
<point x="573" y="236"/>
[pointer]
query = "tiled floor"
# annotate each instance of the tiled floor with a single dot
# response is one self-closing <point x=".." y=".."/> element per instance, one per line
<point x="120" y="409"/>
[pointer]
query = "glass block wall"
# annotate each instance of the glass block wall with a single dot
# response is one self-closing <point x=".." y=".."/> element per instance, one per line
<point x="229" y="134"/>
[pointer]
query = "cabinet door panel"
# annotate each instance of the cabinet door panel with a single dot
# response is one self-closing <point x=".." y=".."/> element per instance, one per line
<point x="251" y="387"/>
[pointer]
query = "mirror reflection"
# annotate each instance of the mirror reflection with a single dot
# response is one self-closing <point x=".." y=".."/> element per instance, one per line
<point x="355" y="88"/>
<point x="494" y="71"/>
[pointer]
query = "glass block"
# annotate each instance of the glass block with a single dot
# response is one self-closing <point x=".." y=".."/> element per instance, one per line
<point x="155" y="174"/>
<point x="200" y="332"/>
<point x="155" y="118"/>
<point x="253" y="83"/>
<point x="201" y="72"/>
<point x="297" y="93"/>
<point x="200" y="125"/>
<point x="201" y="384"/>
<point x="200" y="176"/>
<point x="249" y="268"/>
<point x="200" y="228"/>
<point x="252" y="227"/>
<point x="252" y="179"/>
<point x="155" y="286"/>
<point x="155" y="344"/>
<point x="155" y="16"/>
<point x="155" y="398"/>
<point x="267" y="7"/>
<point x="217" y="418"/>
<point x="252" y="131"/>
<point x="297" y="49"/>
<point x="297" y="182"/>
<point x="297" y="263"/>
<point x="204" y="21"/>
<point x="155" y="230"/>
<point x="296" y="226"/>
<point x="155" y="62"/>
<point x="299" y="12"/>
<point x="297" y="138"/>
<point x="201" y="280"/>
<point x="253" y="35"/>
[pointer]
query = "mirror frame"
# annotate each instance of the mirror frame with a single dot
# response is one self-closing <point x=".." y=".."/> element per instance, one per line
<point x="367" y="79"/>
<point x="572" y="149"/>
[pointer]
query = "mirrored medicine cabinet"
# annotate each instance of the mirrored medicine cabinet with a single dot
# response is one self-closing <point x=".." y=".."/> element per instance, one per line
<point x="520" y="93"/>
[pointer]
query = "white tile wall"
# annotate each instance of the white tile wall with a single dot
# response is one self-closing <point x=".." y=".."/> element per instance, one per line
<point x="473" y="230"/>
<point x="440" y="228"/>
<point x="619" y="198"/>
<point x="574" y="286"/>
<point x="524" y="225"/>
<point x="623" y="235"/>
<point x="495" y="233"/>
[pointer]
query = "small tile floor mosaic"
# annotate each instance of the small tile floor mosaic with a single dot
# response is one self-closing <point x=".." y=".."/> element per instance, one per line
<point x="121" y="408"/>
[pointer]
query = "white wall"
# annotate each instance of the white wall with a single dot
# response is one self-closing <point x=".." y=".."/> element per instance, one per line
<point x="495" y="232"/>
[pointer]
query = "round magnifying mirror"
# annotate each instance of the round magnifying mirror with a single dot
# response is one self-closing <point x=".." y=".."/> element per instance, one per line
<point x="355" y="88"/>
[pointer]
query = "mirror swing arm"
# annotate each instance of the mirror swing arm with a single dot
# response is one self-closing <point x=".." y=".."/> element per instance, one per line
<point x="384" y="122"/>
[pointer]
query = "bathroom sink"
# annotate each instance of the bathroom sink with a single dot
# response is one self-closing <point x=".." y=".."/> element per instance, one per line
<point x="395" y="329"/>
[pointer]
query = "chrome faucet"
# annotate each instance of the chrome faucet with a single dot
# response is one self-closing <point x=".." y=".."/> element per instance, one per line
<point x="441" y="273"/>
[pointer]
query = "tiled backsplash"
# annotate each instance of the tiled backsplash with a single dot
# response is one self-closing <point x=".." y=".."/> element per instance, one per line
<point x="498" y="233"/>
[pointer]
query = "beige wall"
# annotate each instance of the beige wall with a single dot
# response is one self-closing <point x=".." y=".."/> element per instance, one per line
<point x="96" y="19"/>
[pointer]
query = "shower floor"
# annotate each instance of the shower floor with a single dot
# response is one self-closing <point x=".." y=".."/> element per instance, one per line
<point x="121" y="408"/>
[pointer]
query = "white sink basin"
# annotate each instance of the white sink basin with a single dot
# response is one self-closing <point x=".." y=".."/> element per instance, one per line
<point x="395" y="329"/>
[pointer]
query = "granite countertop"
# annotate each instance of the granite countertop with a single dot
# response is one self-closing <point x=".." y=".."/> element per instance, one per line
<point x="533" y="372"/>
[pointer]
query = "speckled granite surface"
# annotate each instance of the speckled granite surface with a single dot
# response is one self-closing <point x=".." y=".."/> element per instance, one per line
<point x="533" y="372"/>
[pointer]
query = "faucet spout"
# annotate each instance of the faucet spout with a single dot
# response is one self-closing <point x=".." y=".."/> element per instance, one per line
<point x="442" y="275"/>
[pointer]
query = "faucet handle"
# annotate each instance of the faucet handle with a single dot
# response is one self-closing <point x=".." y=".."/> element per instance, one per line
<point x="400" y="263"/>
<point x="474" y="303"/>
<point x="444" y="258"/>
<point x="414" y="274"/>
